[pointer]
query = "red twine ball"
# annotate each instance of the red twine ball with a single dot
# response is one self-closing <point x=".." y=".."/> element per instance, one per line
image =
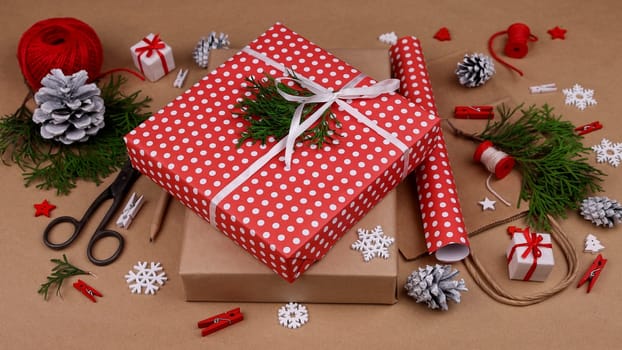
<point x="65" y="43"/>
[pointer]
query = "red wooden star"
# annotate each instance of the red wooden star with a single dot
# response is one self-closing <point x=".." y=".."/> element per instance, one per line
<point x="442" y="34"/>
<point x="44" y="208"/>
<point x="557" y="33"/>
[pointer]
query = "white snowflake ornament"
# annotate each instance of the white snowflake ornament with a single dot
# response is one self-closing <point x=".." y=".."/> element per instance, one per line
<point x="608" y="152"/>
<point x="579" y="96"/>
<point x="388" y="38"/>
<point x="373" y="243"/>
<point x="150" y="278"/>
<point x="293" y="315"/>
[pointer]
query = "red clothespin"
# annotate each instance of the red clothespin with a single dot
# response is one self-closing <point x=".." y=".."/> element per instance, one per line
<point x="592" y="274"/>
<point x="220" y="321"/>
<point x="474" y="112"/>
<point x="87" y="290"/>
<point x="588" y="128"/>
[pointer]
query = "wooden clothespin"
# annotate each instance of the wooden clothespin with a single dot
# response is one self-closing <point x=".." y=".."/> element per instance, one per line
<point x="474" y="112"/>
<point x="129" y="211"/>
<point x="220" y="321"/>
<point x="544" y="88"/>
<point x="592" y="274"/>
<point x="181" y="78"/>
<point x="87" y="290"/>
<point x="588" y="128"/>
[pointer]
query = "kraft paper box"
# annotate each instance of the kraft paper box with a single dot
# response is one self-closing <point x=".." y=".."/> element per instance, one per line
<point x="213" y="268"/>
<point x="288" y="218"/>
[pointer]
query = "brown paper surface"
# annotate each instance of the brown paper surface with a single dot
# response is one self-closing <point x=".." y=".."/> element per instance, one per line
<point x="214" y="268"/>
<point x="119" y="320"/>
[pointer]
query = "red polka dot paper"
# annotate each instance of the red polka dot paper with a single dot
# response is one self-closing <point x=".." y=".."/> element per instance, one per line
<point x="441" y="214"/>
<point x="286" y="218"/>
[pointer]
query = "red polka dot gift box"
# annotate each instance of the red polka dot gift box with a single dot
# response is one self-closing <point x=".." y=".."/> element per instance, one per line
<point x="284" y="201"/>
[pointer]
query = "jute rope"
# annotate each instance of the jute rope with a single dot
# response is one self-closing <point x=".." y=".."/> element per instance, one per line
<point x="492" y="288"/>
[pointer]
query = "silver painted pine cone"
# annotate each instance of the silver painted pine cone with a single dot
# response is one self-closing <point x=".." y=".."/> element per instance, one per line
<point x="434" y="285"/>
<point x="203" y="47"/>
<point x="475" y="70"/>
<point x="601" y="211"/>
<point x="68" y="109"/>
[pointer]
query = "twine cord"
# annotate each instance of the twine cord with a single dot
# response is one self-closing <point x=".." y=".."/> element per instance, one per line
<point x="495" y="291"/>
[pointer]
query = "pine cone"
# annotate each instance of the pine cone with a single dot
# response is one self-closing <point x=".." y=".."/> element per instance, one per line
<point x="475" y="70"/>
<point x="213" y="41"/>
<point x="601" y="211"/>
<point x="201" y="53"/>
<point x="68" y="109"/>
<point x="434" y="285"/>
<point x="218" y="42"/>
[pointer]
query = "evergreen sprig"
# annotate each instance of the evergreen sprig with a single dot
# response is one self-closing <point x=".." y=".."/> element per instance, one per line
<point x="60" y="272"/>
<point x="51" y="164"/>
<point x="270" y="114"/>
<point x="556" y="175"/>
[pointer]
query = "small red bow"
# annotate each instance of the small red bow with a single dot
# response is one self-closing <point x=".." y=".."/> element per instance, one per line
<point x="532" y="243"/>
<point x="154" y="45"/>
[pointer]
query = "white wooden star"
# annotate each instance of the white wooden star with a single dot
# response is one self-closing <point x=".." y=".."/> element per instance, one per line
<point x="487" y="204"/>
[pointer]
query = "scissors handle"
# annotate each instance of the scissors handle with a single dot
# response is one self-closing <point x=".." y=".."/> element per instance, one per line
<point x="77" y="227"/>
<point x="97" y="236"/>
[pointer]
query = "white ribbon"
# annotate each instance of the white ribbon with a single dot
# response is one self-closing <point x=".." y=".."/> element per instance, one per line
<point x="328" y="97"/>
<point x="320" y="94"/>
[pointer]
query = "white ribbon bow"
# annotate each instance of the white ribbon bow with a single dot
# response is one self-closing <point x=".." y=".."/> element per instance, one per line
<point x="321" y="94"/>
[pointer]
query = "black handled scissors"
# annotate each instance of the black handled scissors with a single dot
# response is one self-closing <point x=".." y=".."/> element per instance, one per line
<point x="116" y="191"/>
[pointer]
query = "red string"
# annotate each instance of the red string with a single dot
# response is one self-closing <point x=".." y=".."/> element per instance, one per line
<point x="115" y="70"/>
<point x="65" y="43"/>
<point x="516" y="47"/>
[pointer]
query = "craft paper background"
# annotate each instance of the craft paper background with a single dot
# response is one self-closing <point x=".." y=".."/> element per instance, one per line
<point x="571" y="320"/>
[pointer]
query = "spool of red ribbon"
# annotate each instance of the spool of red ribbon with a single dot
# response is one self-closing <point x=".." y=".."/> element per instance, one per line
<point x="519" y="35"/>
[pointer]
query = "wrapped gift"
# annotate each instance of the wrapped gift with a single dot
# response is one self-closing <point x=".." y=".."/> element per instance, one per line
<point x="530" y="255"/>
<point x="153" y="57"/>
<point x="213" y="268"/>
<point x="288" y="217"/>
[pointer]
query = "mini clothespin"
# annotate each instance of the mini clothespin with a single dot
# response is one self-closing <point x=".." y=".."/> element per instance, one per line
<point x="220" y="321"/>
<point x="474" y="112"/>
<point x="592" y="274"/>
<point x="129" y="212"/>
<point x="181" y="78"/>
<point x="87" y="290"/>
<point x="588" y="128"/>
<point x="544" y="88"/>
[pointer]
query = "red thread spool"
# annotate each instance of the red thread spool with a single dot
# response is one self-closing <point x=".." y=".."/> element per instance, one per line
<point x="65" y="43"/>
<point x="496" y="161"/>
<point x="519" y="35"/>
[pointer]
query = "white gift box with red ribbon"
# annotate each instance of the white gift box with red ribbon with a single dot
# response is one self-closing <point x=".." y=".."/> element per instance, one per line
<point x="530" y="256"/>
<point x="288" y="217"/>
<point x="153" y="57"/>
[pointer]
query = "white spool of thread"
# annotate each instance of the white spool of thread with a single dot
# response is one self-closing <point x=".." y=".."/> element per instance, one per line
<point x="496" y="161"/>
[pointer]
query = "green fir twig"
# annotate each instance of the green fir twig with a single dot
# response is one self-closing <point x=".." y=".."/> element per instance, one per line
<point x="556" y="174"/>
<point x="270" y="114"/>
<point x="60" y="272"/>
<point x="50" y="164"/>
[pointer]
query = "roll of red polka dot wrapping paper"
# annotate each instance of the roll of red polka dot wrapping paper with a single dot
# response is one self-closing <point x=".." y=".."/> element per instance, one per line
<point x="287" y="218"/>
<point x="441" y="214"/>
